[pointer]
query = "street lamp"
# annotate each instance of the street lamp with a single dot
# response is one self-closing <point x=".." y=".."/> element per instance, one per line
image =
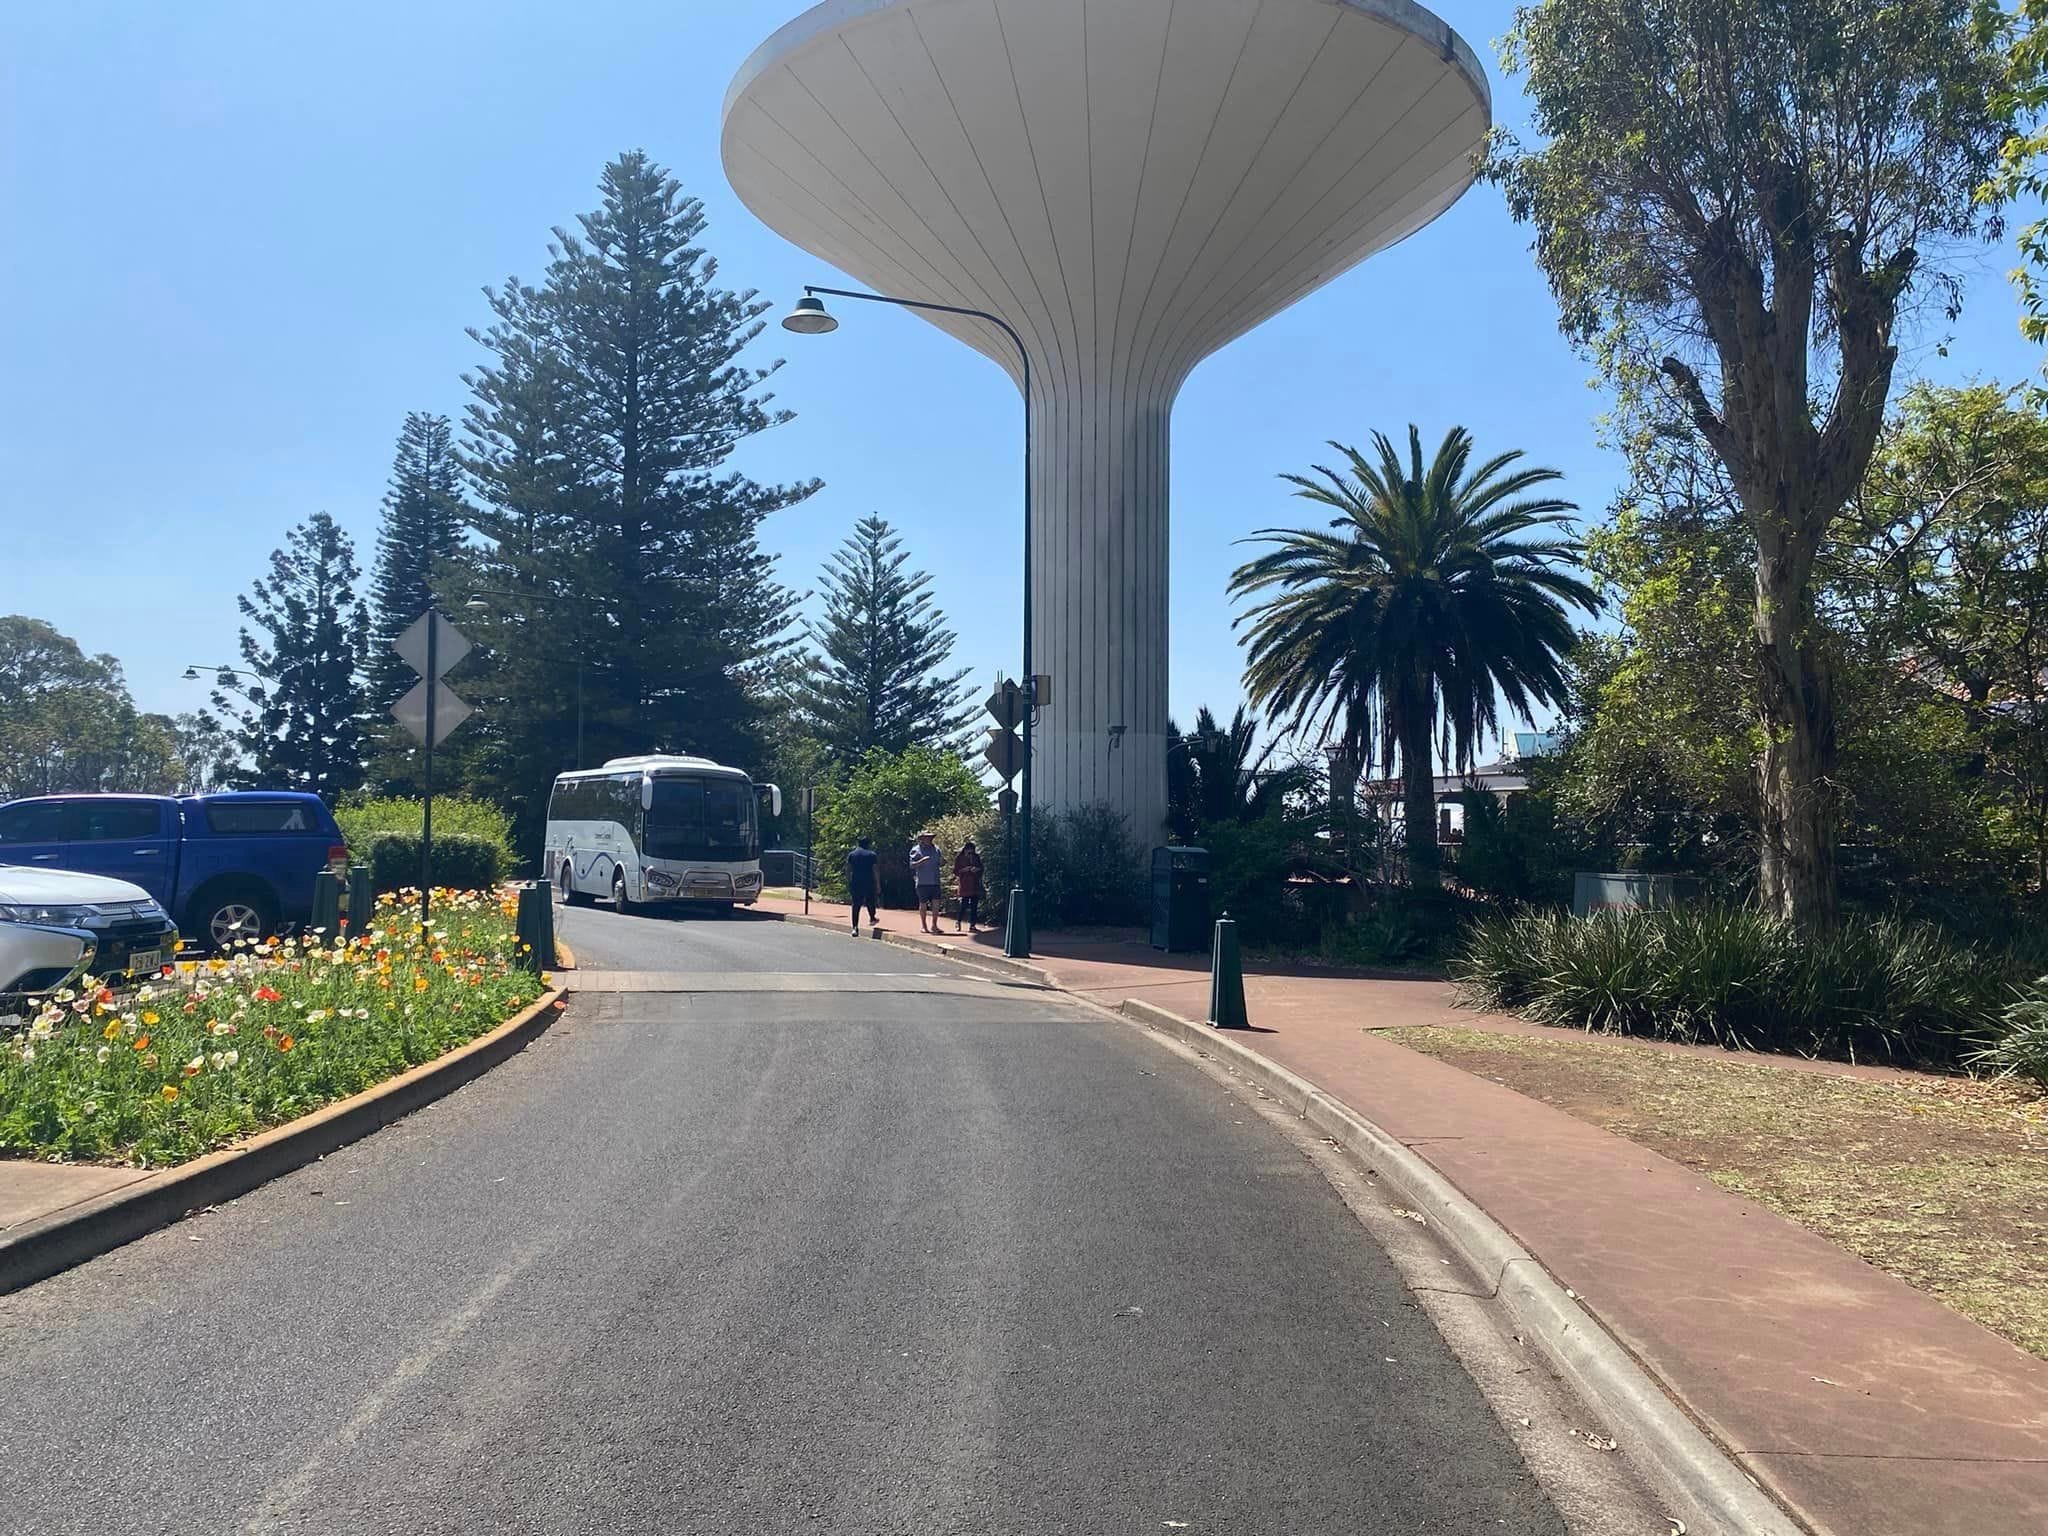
<point x="809" y="317"/>
<point x="224" y="677"/>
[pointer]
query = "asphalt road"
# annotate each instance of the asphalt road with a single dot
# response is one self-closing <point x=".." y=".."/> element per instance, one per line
<point x="838" y="1252"/>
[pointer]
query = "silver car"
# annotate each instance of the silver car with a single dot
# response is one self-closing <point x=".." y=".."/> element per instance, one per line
<point x="56" y="925"/>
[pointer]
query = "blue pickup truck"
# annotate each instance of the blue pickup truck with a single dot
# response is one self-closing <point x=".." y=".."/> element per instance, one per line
<point x="226" y="867"/>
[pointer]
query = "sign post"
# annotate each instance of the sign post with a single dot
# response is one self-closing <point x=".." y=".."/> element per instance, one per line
<point x="430" y="710"/>
<point x="1008" y="706"/>
<point x="810" y="794"/>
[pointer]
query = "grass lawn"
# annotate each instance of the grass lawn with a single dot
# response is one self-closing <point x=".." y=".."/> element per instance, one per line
<point x="215" y="1050"/>
<point x="1937" y="1180"/>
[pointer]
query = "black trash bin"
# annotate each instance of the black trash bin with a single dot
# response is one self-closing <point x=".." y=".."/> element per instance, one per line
<point x="1180" y="899"/>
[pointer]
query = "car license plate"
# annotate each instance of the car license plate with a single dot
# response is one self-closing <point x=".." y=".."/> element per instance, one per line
<point x="151" y="960"/>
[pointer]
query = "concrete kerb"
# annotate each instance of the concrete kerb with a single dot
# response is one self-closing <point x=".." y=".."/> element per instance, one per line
<point x="39" y="1249"/>
<point x="963" y="954"/>
<point x="1720" y="1495"/>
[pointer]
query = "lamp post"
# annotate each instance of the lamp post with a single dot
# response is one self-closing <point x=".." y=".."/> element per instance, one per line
<point x="809" y="317"/>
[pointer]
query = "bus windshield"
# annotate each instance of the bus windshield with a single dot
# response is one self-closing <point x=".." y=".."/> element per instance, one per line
<point x="708" y="819"/>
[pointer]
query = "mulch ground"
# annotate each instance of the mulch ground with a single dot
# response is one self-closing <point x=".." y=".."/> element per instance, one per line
<point x="1940" y="1181"/>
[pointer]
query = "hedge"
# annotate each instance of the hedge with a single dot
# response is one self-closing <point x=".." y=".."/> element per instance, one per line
<point x="461" y="862"/>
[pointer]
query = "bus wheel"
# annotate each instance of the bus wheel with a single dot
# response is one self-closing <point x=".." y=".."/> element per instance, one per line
<point x="565" y="882"/>
<point x="619" y="902"/>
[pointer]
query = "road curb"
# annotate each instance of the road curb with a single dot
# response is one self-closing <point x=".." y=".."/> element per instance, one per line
<point x="565" y="957"/>
<point x="962" y="954"/>
<point x="55" y="1243"/>
<point x="1721" y="1496"/>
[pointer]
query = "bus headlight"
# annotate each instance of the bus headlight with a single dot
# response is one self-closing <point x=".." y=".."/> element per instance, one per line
<point x="661" y="880"/>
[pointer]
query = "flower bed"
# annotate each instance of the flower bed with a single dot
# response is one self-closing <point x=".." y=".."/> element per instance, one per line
<point x="214" y="1050"/>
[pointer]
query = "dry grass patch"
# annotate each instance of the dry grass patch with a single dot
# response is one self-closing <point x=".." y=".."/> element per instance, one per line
<point x="1940" y="1181"/>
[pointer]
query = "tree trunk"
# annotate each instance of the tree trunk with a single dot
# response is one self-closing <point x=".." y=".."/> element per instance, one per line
<point x="1418" y="798"/>
<point x="1796" y="708"/>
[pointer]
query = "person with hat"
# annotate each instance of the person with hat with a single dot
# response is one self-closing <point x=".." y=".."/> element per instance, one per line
<point x="925" y="870"/>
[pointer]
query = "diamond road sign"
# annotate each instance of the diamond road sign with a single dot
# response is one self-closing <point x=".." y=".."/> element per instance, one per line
<point x="450" y="646"/>
<point x="1005" y="754"/>
<point x="1006" y="705"/>
<point x="449" y="712"/>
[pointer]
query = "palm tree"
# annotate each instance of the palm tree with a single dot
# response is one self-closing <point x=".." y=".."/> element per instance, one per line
<point x="1218" y="773"/>
<point x="1437" y="591"/>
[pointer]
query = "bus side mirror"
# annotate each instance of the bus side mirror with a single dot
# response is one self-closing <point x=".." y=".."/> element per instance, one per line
<point x="646" y="791"/>
<point x="772" y="793"/>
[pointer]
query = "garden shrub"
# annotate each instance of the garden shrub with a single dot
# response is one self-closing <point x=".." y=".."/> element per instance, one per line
<point x="461" y="862"/>
<point x="1874" y="989"/>
<point x="1248" y="866"/>
<point x="889" y="798"/>
<point x="1086" y="868"/>
<point x="2021" y="1048"/>
<point x="454" y="816"/>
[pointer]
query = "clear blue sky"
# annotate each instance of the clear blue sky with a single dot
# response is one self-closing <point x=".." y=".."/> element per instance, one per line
<point x="244" y="240"/>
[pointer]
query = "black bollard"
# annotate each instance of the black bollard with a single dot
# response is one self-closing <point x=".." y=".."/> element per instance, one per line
<point x="362" y="900"/>
<point x="536" y="926"/>
<point x="1226" y="979"/>
<point x="326" y="919"/>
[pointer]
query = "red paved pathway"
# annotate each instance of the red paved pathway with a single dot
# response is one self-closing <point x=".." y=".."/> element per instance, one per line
<point x="1865" y="1406"/>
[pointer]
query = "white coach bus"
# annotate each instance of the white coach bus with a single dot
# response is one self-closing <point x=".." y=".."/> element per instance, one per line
<point x="657" y="829"/>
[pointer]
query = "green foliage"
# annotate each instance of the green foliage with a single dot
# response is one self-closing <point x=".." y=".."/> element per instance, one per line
<point x="1933" y="607"/>
<point x="1871" y="990"/>
<point x="875" y="675"/>
<point x="889" y="798"/>
<point x="1217" y="775"/>
<point x="1516" y="853"/>
<point x="1249" y="862"/>
<point x="206" y="752"/>
<point x="1439" y="589"/>
<point x="303" y="727"/>
<point x="2020" y="176"/>
<point x="462" y="862"/>
<point x="420" y="527"/>
<point x="1747" y="191"/>
<point x="1086" y="869"/>
<point x="362" y="818"/>
<point x="1942" y="571"/>
<point x="68" y="725"/>
<point x="605" y="413"/>
<point x="2022" y="1045"/>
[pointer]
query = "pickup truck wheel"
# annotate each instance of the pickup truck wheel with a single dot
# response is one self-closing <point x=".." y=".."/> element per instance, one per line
<point x="235" y="915"/>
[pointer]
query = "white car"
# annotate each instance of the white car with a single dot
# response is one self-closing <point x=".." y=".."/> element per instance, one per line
<point x="56" y="926"/>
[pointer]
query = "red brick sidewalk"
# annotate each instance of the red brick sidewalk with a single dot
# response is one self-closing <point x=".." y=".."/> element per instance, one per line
<point x="1863" y="1405"/>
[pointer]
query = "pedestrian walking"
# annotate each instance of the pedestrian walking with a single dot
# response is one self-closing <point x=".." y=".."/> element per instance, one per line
<point x="864" y="884"/>
<point x="926" y="864"/>
<point x="967" y="882"/>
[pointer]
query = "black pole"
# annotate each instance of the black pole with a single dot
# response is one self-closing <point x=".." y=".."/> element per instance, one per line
<point x="427" y="798"/>
<point x="1017" y="940"/>
<point x="579" y="712"/>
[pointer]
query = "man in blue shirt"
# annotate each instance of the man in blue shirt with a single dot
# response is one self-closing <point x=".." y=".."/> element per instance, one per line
<point x="863" y="882"/>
